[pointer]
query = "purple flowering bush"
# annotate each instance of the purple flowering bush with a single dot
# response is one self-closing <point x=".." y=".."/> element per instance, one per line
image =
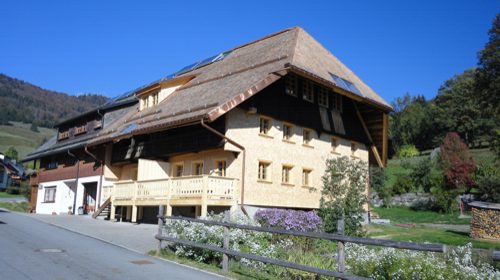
<point x="295" y="220"/>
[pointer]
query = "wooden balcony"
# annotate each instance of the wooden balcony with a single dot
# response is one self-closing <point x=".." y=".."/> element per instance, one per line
<point x="191" y="190"/>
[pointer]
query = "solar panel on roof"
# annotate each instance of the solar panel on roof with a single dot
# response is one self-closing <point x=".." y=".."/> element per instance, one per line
<point x="345" y="84"/>
<point x="129" y="128"/>
<point x="202" y="63"/>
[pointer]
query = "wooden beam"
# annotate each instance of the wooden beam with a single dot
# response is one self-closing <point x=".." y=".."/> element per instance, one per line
<point x="373" y="147"/>
<point x="385" y="140"/>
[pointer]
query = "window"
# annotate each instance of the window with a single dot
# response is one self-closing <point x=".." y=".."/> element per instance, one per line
<point x="291" y="85"/>
<point x="264" y="171"/>
<point x="337" y="102"/>
<point x="198" y="168"/>
<point x="308" y="91"/>
<point x="80" y="129"/>
<point x="51" y="165"/>
<point x="306" y="177"/>
<point x="178" y="170"/>
<point x="323" y="97"/>
<point x="307" y="137"/>
<point x="265" y="126"/>
<point x="64" y="135"/>
<point x="354" y="149"/>
<point x="286" y="173"/>
<point x="220" y="166"/>
<point x="287" y="132"/>
<point x="145" y="102"/>
<point x="97" y="124"/>
<point x="155" y="99"/>
<point x="335" y="145"/>
<point x="50" y="194"/>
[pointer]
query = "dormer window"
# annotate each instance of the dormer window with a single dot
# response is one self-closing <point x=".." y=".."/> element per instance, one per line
<point x="154" y="97"/>
<point x="63" y="135"/>
<point x="80" y="129"/>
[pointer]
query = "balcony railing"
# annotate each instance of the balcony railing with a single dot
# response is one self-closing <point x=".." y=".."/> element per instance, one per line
<point x="191" y="187"/>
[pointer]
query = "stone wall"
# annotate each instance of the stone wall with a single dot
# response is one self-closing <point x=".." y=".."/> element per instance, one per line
<point x="485" y="223"/>
<point x="407" y="199"/>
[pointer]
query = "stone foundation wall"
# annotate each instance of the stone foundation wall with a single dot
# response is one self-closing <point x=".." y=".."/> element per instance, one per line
<point x="485" y="223"/>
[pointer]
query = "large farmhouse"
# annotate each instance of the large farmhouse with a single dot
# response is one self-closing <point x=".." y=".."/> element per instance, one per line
<point x="248" y="128"/>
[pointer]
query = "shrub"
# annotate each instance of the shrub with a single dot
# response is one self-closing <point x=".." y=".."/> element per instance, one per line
<point x="403" y="185"/>
<point x="259" y="243"/>
<point x="343" y="194"/>
<point x="456" y="163"/>
<point x="377" y="178"/>
<point x="390" y="263"/>
<point x="408" y="151"/>
<point x="420" y="175"/>
<point x="289" y="219"/>
<point x="444" y="200"/>
<point x="487" y="177"/>
<point x="12" y="190"/>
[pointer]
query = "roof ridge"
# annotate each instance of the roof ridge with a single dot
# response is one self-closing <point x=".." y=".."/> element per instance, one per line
<point x="266" y="37"/>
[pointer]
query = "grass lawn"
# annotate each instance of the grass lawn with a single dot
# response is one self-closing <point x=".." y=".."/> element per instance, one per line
<point x="427" y="234"/>
<point x="404" y="215"/>
<point x="17" y="207"/>
<point x="22" y="138"/>
<point x="6" y="195"/>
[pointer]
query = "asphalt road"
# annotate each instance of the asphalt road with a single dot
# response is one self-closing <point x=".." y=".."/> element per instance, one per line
<point x="30" y="249"/>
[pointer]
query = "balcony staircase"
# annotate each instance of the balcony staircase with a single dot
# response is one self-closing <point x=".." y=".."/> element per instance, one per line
<point x="103" y="211"/>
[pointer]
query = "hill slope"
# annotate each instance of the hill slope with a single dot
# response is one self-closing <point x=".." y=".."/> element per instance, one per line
<point x="22" y="138"/>
<point x="25" y="102"/>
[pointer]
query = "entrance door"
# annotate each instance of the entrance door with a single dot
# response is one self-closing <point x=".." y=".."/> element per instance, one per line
<point x="89" y="197"/>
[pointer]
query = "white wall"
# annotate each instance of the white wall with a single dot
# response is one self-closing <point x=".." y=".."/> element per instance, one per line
<point x="64" y="195"/>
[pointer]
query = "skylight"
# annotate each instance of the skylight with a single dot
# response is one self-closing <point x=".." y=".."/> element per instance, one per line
<point x="345" y="84"/>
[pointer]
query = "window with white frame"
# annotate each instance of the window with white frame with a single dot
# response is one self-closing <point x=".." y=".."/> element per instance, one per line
<point x="220" y="168"/>
<point x="264" y="168"/>
<point x="308" y="91"/>
<point x="337" y="102"/>
<point x="286" y="174"/>
<point x="198" y="168"/>
<point x="323" y="97"/>
<point x="306" y="177"/>
<point x="155" y="99"/>
<point x="265" y="125"/>
<point x="287" y="132"/>
<point x="307" y="137"/>
<point x="178" y="170"/>
<point x="291" y="85"/>
<point x="50" y="194"/>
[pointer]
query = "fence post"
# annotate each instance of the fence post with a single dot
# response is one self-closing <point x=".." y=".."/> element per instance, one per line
<point x="225" y="243"/>
<point x="161" y="212"/>
<point x="340" y="247"/>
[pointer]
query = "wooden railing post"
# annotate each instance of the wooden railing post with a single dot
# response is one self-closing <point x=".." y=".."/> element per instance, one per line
<point x="340" y="247"/>
<point x="204" y="197"/>
<point x="161" y="212"/>
<point x="225" y="243"/>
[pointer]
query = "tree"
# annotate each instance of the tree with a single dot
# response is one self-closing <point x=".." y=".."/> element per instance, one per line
<point x="412" y="123"/>
<point x="12" y="153"/>
<point x="458" y="108"/>
<point x="488" y="82"/>
<point x="343" y="194"/>
<point x="34" y="127"/>
<point x="456" y="163"/>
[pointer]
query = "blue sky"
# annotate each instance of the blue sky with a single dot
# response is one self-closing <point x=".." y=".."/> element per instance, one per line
<point x="110" y="47"/>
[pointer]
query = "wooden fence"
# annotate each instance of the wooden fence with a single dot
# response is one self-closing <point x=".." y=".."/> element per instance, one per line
<point x="339" y="237"/>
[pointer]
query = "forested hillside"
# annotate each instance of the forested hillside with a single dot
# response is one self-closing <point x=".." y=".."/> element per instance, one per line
<point x="23" y="102"/>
